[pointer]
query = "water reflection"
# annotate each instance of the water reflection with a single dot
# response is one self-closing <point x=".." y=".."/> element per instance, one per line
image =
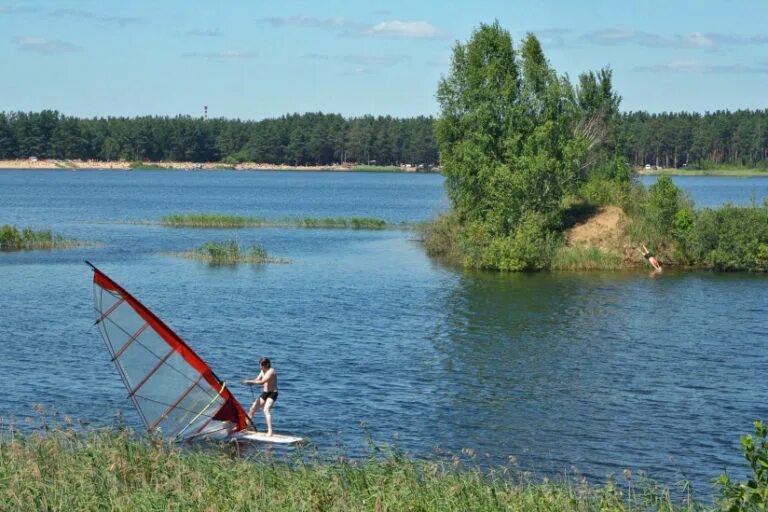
<point x="605" y="370"/>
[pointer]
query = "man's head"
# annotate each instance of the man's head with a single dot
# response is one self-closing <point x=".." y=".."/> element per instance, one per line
<point x="265" y="363"/>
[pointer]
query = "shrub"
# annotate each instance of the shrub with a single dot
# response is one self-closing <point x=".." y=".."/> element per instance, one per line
<point x="529" y="248"/>
<point x="602" y="192"/>
<point x="10" y="238"/>
<point x="752" y="494"/>
<point x="440" y="236"/>
<point x="729" y="238"/>
<point x="663" y="203"/>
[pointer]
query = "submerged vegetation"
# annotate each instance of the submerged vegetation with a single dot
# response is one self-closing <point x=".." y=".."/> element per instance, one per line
<point x="13" y="239"/>
<point x="230" y="253"/>
<point x="218" y="220"/>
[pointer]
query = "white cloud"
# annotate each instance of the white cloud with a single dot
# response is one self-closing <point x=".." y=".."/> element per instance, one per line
<point x="87" y="15"/>
<point x="552" y="37"/>
<point x="221" y="55"/>
<point x="333" y="23"/>
<point x="695" y="66"/>
<point x="17" y="10"/>
<point x="711" y="40"/>
<point x="46" y="46"/>
<point x="361" y="63"/>
<point x="406" y="29"/>
<point x="375" y="60"/>
<point x="391" y="28"/>
<point x="204" y="33"/>
<point x="699" y="40"/>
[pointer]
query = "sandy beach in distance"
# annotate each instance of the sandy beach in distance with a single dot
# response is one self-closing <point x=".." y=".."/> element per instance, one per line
<point x="125" y="165"/>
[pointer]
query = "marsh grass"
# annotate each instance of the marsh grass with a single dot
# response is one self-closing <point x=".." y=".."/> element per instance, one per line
<point x="581" y="257"/>
<point x="377" y="168"/>
<point x="229" y="252"/>
<point x="13" y="239"/>
<point x="218" y="220"/>
<point x="114" y="469"/>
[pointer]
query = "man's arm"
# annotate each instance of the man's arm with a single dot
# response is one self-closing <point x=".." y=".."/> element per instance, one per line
<point x="258" y="380"/>
<point x="265" y="376"/>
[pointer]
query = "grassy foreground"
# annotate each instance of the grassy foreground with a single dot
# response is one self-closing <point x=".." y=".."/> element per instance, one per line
<point x="14" y="239"/>
<point x="115" y="470"/>
<point x="219" y="220"/>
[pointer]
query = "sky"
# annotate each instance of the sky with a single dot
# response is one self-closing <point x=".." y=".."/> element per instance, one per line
<point x="256" y="59"/>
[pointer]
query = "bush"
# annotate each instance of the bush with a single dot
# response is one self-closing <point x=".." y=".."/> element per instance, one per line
<point x="728" y="239"/>
<point x="600" y="191"/>
<point x="529" y="248"/>
<point x="440" y="236"/>
<point x="10" y="238"/>
<point x="752" y="494"/>
<point x="663" y="203"/>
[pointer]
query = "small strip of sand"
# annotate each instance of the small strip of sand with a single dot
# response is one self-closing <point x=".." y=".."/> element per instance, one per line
<point x="124" y="165"/>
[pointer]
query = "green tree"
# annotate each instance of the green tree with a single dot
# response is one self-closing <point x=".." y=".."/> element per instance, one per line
<point x="513" y="139"/>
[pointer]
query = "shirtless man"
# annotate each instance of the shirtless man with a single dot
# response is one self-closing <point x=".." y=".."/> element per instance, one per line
<point x="648" y="255"/>
<point x="268" y="379"/>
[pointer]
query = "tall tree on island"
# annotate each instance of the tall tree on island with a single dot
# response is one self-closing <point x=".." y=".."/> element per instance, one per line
<point x="514" y="139"/>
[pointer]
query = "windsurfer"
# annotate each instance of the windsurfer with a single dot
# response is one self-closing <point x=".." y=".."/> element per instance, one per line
<point x="268" y="379"/>
<point x="651" y="258"/>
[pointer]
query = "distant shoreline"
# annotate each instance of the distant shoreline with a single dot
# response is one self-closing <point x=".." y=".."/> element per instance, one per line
<point x="734" y="173"/>
<point x="54" y="164"/>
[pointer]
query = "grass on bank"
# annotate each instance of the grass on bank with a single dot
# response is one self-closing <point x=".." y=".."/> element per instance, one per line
<point x="733" y="172"/>
<point x="116" y="470"/>
<point x="230" y="253"/>
<point x="14" y="239"/>
<point x="218" y="220"/>
<point x="581" y="257"/>
<point x="661" y="216"/>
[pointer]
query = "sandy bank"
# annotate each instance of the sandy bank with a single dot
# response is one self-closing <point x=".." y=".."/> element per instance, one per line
<point x="97" y="164"/>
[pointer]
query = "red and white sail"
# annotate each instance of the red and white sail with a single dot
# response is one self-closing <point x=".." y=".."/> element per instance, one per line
<point x="173" y="389"/>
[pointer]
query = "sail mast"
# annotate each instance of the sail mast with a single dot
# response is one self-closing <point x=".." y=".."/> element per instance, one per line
<point x="172" y="388"/>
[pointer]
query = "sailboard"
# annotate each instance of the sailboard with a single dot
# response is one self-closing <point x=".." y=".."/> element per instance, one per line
<point x="173" y="390"/>
<point x="262" y="437"/>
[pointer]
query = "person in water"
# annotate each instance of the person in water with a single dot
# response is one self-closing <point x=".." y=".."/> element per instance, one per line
<point x="648" y="255"/>
<point x="268" y="379"/>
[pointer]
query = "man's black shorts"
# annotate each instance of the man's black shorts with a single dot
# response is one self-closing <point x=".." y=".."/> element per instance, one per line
<point x="269" y="394"/>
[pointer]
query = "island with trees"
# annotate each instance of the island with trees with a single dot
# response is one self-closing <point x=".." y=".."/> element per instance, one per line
<point x="529" y="157"/>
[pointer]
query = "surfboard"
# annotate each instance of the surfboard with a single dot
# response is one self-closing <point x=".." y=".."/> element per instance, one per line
<point x="262" y="437"/>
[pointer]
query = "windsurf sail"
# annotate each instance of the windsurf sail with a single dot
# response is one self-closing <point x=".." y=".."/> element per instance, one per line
<point x="172" y="388"/>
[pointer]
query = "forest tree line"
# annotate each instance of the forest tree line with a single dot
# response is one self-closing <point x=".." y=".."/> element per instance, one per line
<point x="297" y="139"/>
<point x="683" y="139"/>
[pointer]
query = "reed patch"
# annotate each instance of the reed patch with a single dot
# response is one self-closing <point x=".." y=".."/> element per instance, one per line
<point x="220" y="220"/>
<point x="229" y="252"/>
<point x="14" y="239"/>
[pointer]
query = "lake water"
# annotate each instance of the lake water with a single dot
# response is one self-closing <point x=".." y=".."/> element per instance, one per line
<point x="713" y="191"/>
<point x="602" y="370"/>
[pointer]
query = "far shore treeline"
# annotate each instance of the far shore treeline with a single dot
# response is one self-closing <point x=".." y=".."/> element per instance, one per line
<point x="669" y="140"/>
<point x="296" y="139"/>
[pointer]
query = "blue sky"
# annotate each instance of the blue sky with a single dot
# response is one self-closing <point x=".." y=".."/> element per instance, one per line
<point x="256" y="59"/>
